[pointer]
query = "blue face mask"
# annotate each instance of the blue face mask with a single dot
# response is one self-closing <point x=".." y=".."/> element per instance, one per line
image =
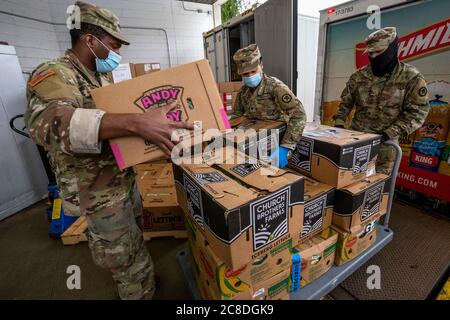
<point x="253" y="81"/>
<point x="109" y="64"/>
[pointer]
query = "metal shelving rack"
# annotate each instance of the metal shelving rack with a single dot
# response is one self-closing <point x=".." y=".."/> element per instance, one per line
<point x="337" y="274"/>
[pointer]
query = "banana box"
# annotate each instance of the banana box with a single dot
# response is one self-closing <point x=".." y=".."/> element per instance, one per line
<point x="362" y="201"/>
<point x="223" y="284"/>
<point x="215" y="282"/>
<point x="351" y="244"/>
<point x="319" y="200"/>
<point x="207" y="286"/>
<point x="243" y="210"/>
<point x="337" y="157"/>
<point x="226" y="282"/>
<point x="317" y="255"/>
<point x="275" y="288"/>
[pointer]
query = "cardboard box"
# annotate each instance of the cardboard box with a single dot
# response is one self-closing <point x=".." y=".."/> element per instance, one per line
<point x="228" y="92"/>
<point x="351" y="244"/>
<point x="141" y="69"/>
<point x="229" y="102"/>
<point x="123" y="72"/>
<point x="191" y="85"/>
<point x="444" y="166"/>
<point x="362" y="201"/>
<point x="317" y="255"/>
<point x="256" y="136"/>
<point x="319" y="200"/>
<point x="334" y="156"/>
<point x="243" y="210"/>
<point x="251" y="274"/>
<point x="217" y="282"/>
<point x="275" y="288"/>
<point x="229" y="87"/>
<point x="426" y="154"/>
<point x="156" y="185"/>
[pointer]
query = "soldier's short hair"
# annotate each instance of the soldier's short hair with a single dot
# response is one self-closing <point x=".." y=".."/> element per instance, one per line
<point x="85" y="28"/>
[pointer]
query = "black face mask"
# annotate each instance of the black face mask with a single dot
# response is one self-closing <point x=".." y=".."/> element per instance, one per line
<point x="387" y="61"/>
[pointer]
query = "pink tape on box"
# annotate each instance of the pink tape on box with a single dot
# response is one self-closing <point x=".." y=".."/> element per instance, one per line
<point x="118" y="155"/>
<point x="223" y="113"/>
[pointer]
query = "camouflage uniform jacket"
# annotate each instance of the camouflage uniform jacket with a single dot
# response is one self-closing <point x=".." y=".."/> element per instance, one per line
<point x="392" y="104"/>
<point x="273" y="100"/>
<point x="61" y="117"/>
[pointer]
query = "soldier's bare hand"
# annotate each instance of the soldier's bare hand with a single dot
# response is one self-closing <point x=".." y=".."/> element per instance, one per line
<point x="155" y="127"/>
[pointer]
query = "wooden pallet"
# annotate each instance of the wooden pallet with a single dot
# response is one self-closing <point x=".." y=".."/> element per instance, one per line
<point x="177" y="234"/>
<point x="76" y="233"/>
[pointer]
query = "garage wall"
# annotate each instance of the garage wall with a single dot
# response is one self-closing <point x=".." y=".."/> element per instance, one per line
<point x="34" y="41"/>
<point x="37" y="29"/>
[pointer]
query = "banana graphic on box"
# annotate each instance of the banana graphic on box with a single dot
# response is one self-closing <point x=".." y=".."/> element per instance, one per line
<point x="229" y="284"/>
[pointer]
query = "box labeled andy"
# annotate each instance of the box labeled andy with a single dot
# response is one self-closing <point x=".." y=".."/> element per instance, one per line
<point x="191" y="86"/>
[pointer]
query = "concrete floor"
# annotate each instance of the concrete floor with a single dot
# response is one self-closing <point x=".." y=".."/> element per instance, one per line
<point x="33" y="266"/>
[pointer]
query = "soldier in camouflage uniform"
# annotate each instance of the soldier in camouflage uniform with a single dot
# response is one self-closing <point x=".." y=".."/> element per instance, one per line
<point x="267" y="98"/>
<point x="62" y="117"/>
<point x="390" y="97"/>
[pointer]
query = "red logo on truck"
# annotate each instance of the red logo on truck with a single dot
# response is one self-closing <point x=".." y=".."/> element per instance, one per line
<point x="414" y="45"/>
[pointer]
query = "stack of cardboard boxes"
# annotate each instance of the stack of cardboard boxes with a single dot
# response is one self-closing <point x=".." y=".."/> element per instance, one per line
<point x="156" y="185"/>
<point x="255" y="231"/>
<point x="344" y="160"/>
<point x="246" y="220"/>
<point x="244" y="215"/>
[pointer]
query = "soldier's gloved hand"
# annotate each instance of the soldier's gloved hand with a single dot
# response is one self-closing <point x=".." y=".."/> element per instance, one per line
<point x="281" y="156"/>
<point x="384" y="137"/>
<point x="340" y="126"/>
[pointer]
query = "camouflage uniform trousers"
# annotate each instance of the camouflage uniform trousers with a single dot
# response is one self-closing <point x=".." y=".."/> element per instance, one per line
<point x="386" y="159"/>
<point x="116" y="243"/>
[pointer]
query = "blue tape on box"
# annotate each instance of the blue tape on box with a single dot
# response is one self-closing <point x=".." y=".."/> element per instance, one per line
<point x="296" y="270"/>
